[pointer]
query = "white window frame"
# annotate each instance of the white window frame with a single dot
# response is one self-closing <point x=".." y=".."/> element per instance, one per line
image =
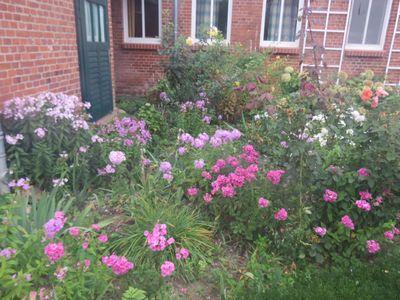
<point x="229" y="21"/>
<point x="295" y="44"/>
<point x="379" y="47"/>
<point x="142" y="40"/>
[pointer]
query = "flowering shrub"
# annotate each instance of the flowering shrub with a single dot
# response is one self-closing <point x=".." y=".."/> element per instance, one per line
<point x="42" y="134"/>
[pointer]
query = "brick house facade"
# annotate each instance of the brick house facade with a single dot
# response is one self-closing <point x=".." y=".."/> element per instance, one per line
<point x="39" y="44"/>
<point x="138" y="66"/>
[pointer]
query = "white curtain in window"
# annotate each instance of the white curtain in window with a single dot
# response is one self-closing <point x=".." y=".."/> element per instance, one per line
<point x="281" y="20"/>
<point x="203" y="14"/>
<point x="272" y="18"/>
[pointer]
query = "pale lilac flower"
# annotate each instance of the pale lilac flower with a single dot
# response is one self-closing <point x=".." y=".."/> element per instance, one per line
<point x="61" y="273"/>
<point x="321" y="231"/>
<point x="199" y="164"/>
<point x="284" y="144"/>
<point x="146" y="162"/>
<point x="8" y="252"/>
<point x="83" y="149"/>
<point x="165" y="167"/>
<point x="40" y="132"/>
<point x="181" y="151"/>
<point x="168" y="177"/>
<point x="116" y="157"/>
<point x="12" y="140"/>
<point x="206" y="120"/>
<point x="58" y="182"/>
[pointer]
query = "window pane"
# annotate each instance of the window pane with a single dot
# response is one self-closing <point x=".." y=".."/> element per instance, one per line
<point x="272" y="16"/>
<point x="95" y="22"/>
<point x="376" y="20"/>
<point x="289" y="20"/>
<point x="151" y="18"/>
<point x="102" y="25"/>
<point x="357" y="25"/>
<point x="88" y="22"/>
<point x="203" y="12"/>
<point x="135" y="28"/>
<point x="220" y="19"/>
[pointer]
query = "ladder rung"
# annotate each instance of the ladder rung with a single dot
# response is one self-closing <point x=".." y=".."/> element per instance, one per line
<point x="326" y="48"/>
<point x="327" y="66"/>
<point x="394" y="68"/>
<point x="332" y="12"/>
<point x="395" y="50"/>
<point x="328" y="30"/>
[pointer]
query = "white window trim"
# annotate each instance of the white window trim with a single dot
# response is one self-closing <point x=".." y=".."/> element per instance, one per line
<point x="228" y="27"/>
<point x="295" y="44"/>
<point x="379" y="47"/>
<point x="136" y="40"/>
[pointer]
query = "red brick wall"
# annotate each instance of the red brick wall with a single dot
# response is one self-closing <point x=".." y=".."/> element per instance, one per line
<point x="38" y="47"/>
<point x="137" y="69"/>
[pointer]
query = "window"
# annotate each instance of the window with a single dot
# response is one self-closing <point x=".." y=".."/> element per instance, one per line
<point x="369" y="20"/>
<point x="94" y="22"/>
<point x="142" y="21"/>
<point x="209" y="13"/>
<point x="281" y="22"/>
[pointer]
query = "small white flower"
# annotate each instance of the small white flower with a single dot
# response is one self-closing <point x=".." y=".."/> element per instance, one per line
<point x="350" y="131"/>
<point x="257" y="117"/>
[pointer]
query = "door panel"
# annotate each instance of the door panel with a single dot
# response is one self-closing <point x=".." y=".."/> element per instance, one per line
<point x="94" y="58"/>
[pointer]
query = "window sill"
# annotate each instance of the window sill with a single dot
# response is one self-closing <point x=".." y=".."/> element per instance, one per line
<point x="365" y="53"/>
<point x="282" y="50"/>
<point x="136" y="46"/>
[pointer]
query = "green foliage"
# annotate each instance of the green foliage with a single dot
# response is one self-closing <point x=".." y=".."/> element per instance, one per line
<point x="134" y="294"/>
<point x="152" y="204"/>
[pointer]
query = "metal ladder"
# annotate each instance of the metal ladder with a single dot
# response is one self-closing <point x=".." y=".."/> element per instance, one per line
<point x="393" y="50"/>
<point x="325" y="31"/>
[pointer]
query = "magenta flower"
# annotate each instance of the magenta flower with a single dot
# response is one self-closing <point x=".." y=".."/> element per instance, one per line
<point x="74" y="231"/>
<point x="181" y="151"/>
<point x="165" y="167"/>
<point x="167" y="268"/>
<point x="365" y="195"/>
<point x="103" y="238"/>
<point x="330" y="196"/>
<point x="85" y="245"/>
<point x="281" y="215"/>
<point x="206" y="175"/>
<point x="275" y="176"/>
<point x="7" y="252"/>
<point x="389" y="235"/>
<point x="347" y="222"/>
<point x="116" y="157"/>
<point x="364" y="205"/>
<point x="95" y="227"/>
<point x="207" y="198"/>
<point x="87" y="263"/>
<point x="192" y="191"/>
<point x="263" y="203"/>
<point x="321" y="231"/>
<point x="373" y="246"/>
<point x="182" y="253"/>
<point x="363" y="172"/>
<point x="54" y="251"/>
<point x="118" y="264"/>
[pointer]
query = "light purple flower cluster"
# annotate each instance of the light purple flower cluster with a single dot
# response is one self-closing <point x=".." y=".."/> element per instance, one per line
<point x="13" y="140"/>
<point x="7" y="252"/>
<point x="219" y="138"/>
<point x="156" y="239"/>
<point x="128" y="130"/>
<point x="166" y="170"/>
<point x="54" y="225"/>
<point x="22" y="183"/>
<point x="57" y="106"/>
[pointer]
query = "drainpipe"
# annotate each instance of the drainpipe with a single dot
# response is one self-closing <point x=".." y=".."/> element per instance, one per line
<point x="176" y="8"/>
<point x="4" y="189"/>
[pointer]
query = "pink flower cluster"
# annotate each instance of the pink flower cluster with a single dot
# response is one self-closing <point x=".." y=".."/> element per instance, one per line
<point x="156" y="239"/>
<point x="54" y="225"/>
<point x="274" y="176"/>
<point x="321" y="231"/>
<point x="380" y="92"/>
<point x="373" y="246"/>
<point x="54" y="251"/>
<point x="263" y="203"/>
<point x="118" y="264"/>
<point x="347" y="222"/>
<point x="281" y="215"/>
<point x="182" y="253"/>
<point x="13" y="140"/>
<point x="363" y="172"/>
<point x="22" y="183"/>
<point x="250" y="155"/>
<point x="390" y="234"/>
<point x="330" y="196"/>
<point x="363" y="204"/>
<point x="167" y="268"/>
<point x="116" y="157"/>
<point x="192" y="191"/>
<point x="7" y="252"/>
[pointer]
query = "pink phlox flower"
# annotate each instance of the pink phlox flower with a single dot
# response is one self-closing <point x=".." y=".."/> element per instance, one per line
<point x="182" y="253"/>
<point x="363" y="172"/>
<point x="263" y="203"/>
<point x="373" y="246"/>
<point x="207" y="197"/>
<point x="54" y="251"/>
<point x="321" y="231"/>
<point x="167" y="268"/>
<point x="365" y="195"/>
<point x="116" y="157"/>
<point x="192" y="191"/>
<point x="330" y="196"/>
<point x="274" y="176"/>
<point x="363" y="204"/>
<point x="281" y="215"/>
<point x="347" y="222"/>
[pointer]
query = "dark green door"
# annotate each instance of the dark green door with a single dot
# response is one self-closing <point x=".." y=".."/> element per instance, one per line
<point x="94" y="55"/>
